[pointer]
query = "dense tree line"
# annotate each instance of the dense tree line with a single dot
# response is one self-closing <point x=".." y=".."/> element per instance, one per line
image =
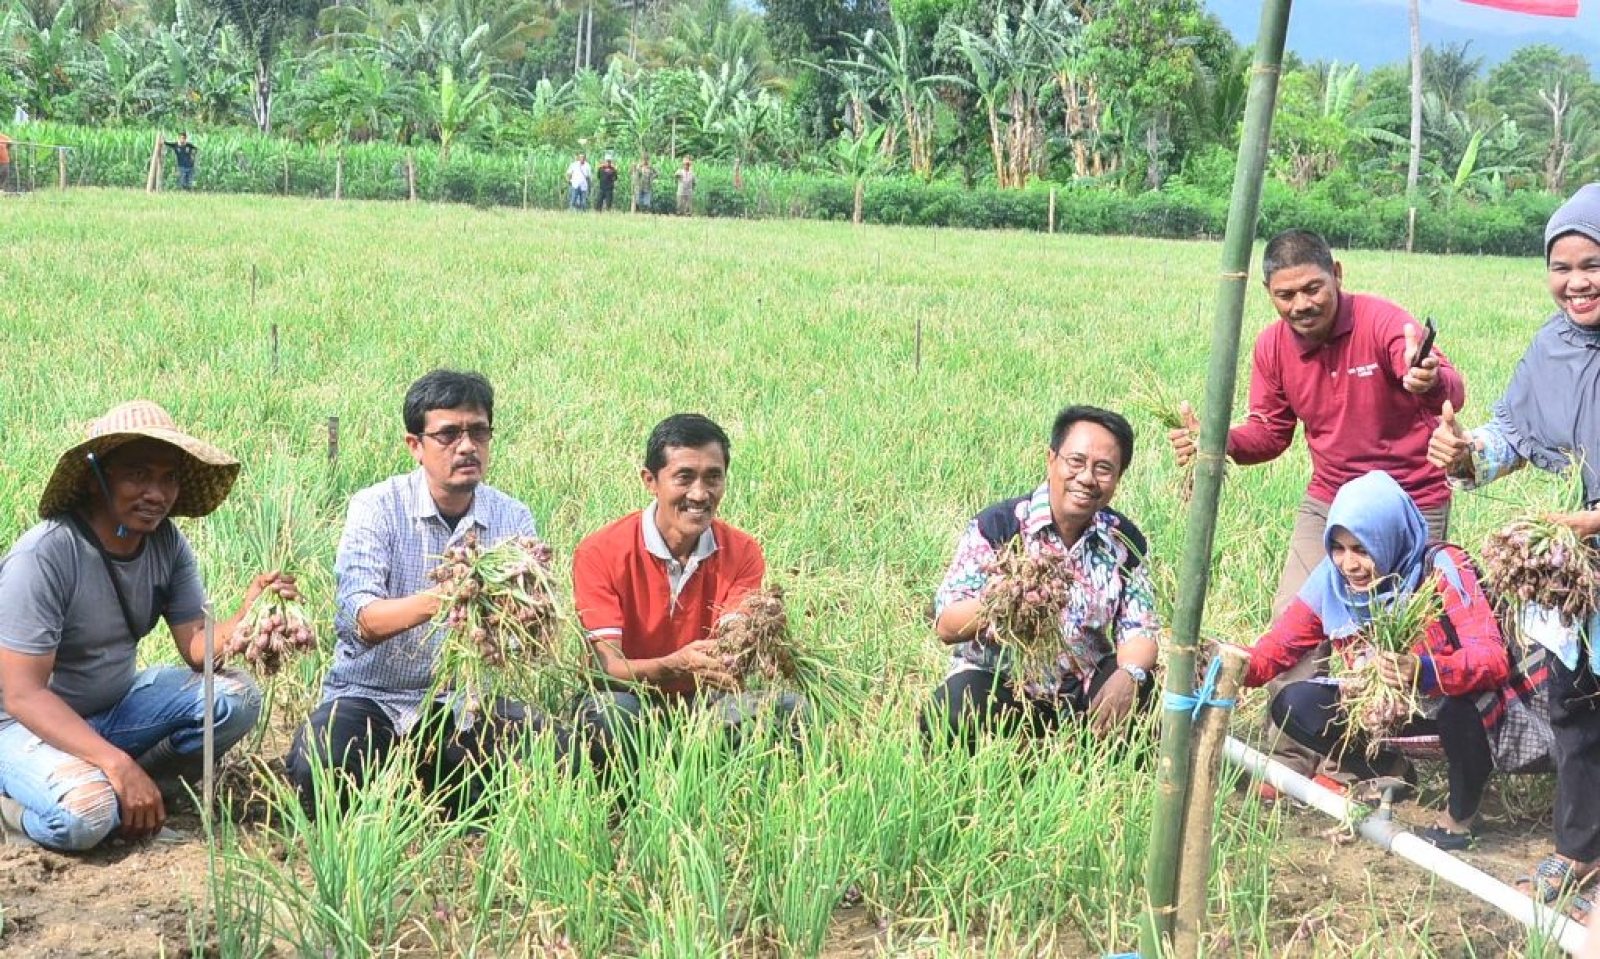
<point x="1126" y="93"/>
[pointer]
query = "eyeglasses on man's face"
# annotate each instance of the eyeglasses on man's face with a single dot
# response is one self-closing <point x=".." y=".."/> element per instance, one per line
<point x="451" y="435"/>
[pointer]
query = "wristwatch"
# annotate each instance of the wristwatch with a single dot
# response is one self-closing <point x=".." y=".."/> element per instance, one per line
<point x="1139" y="673"/>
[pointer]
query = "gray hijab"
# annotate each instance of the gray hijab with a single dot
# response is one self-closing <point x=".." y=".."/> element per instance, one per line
<point x="1552" y="407"/>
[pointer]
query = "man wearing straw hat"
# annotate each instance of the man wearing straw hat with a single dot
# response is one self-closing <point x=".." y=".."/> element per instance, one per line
<point x="82" y="729"/>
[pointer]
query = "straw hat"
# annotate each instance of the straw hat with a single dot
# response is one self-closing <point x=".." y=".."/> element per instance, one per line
<point x="206" y="476"/>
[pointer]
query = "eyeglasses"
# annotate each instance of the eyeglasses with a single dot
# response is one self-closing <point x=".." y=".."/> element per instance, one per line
<point x="451" y="435"/>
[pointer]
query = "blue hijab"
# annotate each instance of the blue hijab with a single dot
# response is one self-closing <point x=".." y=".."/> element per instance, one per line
<point x="1375" y="510"/>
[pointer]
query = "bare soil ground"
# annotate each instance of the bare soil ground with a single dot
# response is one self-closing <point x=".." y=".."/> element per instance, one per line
<point x="1333" y="895"/>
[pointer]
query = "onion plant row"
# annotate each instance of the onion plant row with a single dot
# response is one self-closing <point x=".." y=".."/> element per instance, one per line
<point x="880" y="386"/>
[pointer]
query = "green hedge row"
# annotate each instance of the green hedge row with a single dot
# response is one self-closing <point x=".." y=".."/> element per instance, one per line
<point x="235" y="162"/>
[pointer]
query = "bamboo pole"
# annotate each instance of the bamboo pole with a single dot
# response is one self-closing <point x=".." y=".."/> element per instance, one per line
<point x="61" y="167"/>
<point x="411" y="175"/>
<point x="208" y="732"/>
<point x="1172" y="769"/>
<point x="1052" y="209"/>
<point x="1194" y="871"/>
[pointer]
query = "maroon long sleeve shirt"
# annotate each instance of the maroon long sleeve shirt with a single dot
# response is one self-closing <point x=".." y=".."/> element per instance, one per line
<point x="1348" y="393"/>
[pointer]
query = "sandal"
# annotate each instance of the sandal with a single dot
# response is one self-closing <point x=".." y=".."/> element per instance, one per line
<point x="1551" y="879"/>
<point x="1448" y="839"/>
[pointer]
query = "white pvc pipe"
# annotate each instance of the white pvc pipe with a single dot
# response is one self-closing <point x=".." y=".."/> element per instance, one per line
<point x="1386" y="833"/>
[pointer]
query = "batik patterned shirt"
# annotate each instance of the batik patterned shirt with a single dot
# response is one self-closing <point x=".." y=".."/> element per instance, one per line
<point x="1111" y="601"/>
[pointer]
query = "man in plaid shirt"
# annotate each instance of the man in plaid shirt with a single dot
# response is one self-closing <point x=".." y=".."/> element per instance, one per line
<point x="381" y="688"/>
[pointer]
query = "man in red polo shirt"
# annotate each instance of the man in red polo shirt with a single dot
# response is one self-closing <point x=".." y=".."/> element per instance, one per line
<point x="651" y="587"/>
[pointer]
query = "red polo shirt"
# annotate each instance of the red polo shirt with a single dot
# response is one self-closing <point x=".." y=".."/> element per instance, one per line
<point x="623" y="591"/>
<point x="1347" y="392"/>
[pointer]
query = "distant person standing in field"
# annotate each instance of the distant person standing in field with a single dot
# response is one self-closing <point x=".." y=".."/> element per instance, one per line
<point x="184" y="151"/>
<point x="5" y="162"/>
<point x="578" y="183"/>
<point x="1549" y="416"/>
<point x="377" y="693"/>
<point x="1345" y="366"/>
<point x="606" y="176"/>
<point x="1109" y="626"/>
<point x="85" y="733"/>
<point x="686" y="179"/>
<point x="652" y="587"/>
<point x="644" y="180"/>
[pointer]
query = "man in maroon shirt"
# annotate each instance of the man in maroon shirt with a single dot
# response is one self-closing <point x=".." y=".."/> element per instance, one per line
<point x="1345" y="365"/>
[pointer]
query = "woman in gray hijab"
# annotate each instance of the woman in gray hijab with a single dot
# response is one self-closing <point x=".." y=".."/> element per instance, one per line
<point x="1550" y="413"/>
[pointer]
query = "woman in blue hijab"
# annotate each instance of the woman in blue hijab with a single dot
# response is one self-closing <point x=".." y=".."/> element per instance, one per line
<point x="1378" y="554"/>
<point x="1550" y="413"/>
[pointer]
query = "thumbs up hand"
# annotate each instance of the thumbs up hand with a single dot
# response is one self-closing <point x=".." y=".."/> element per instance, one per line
<point x="1422" y="374"/>
<point x="1450" y="448"/>
<point x="1184" y="438"/>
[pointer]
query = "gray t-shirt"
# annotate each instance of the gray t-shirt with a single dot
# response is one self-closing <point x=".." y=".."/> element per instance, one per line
<point x="56" y="596"/>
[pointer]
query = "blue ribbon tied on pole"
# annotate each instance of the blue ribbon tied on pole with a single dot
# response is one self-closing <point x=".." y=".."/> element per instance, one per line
<point x="1203" y="697"/>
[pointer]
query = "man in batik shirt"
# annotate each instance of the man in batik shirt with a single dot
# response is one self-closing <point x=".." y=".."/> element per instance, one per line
<point x="1109" y="627"/>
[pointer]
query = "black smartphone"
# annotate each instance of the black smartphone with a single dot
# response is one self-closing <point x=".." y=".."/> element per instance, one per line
<point x="1426" y="348"/>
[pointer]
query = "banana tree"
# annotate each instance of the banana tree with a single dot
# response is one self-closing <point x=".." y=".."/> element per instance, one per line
<point x="456" y="108"/>
<point x="858" y="158"/>
<point x="888" y="67"/>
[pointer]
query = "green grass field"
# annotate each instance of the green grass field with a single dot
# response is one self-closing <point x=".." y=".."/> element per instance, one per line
<point x="855" y="468"/>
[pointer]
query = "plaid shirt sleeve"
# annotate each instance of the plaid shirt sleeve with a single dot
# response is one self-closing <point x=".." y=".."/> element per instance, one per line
<point x="965" y="577"/>
<point x="361" y="567"/>
<point x="1481" y="662"/>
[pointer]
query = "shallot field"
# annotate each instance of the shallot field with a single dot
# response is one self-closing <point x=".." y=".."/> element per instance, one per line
<point x="880" y="386"/>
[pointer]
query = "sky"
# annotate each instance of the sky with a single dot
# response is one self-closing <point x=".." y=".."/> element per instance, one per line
<point x="1374" y="32"/>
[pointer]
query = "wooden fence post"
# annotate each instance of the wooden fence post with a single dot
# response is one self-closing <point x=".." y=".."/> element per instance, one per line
<point x="61" y="167"/>
<point x="1052" y="209"/>
<point x="411" y="176"/>
<point x="152" y="176"/>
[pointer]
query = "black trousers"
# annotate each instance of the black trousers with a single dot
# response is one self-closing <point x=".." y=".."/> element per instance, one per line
<point x="1309" y="714"/>
<point x="975" y="702"/>
<point x="354" y="736"/>
<point x="1575" y="720"/>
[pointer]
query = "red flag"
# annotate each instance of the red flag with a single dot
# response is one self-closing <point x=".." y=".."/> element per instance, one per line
<point x="1544" y="8"/>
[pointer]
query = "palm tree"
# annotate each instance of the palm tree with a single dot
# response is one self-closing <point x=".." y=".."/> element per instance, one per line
<point x="1414" y="166"/>
<point x="261" y="25"/>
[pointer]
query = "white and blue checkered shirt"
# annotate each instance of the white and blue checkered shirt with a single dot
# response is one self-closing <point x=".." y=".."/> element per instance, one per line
<point x="393" y="536"/>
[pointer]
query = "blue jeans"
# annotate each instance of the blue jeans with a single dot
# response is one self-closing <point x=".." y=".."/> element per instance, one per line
<point x="186" y="178"/>
<point x="578" y="199"/>
<point x="70" y="805"/>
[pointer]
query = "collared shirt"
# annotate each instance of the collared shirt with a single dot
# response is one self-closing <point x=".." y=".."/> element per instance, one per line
<point x="393" y="536"/>
<point x="1112" y="600"/>
<point x="628" y="594"/>
<point x="656" y="544"/>
<point x="1348" y="393"/>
